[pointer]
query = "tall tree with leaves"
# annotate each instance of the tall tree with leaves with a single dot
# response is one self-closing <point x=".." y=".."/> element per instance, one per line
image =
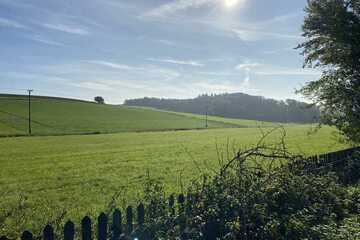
<point x="332" y="32"/>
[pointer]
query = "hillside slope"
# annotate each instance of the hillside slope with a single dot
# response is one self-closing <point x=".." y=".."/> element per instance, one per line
<point x="51" y="116"/>
<point x="236" y="105"/>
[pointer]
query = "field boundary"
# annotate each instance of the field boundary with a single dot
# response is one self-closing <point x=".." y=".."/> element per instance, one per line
<point x="107" y="133"/>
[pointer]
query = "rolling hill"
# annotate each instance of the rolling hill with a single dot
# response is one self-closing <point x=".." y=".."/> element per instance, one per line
<point x="237" y="105"/>
<point x="58" y="116"/>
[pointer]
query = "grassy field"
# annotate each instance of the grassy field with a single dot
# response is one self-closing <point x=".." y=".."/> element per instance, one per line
<point x="80" y="174"/>
<point x="44" y="176"/>
<point x="53" y="116"/>
<point x="243" y="123"/>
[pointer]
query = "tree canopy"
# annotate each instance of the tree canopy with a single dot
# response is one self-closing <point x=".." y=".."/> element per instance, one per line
<point x="332" y="32"/>
<point x="237" y="105"/>
<point x="99" y="100"/>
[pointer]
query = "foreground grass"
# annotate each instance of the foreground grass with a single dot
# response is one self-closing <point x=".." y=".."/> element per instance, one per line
<point x="53" y="116"/>
<point x="80" y="174"/>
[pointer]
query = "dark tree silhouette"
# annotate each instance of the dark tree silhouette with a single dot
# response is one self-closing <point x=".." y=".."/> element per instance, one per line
<point x="237" y="105"/>
<point x="99" y="100"/>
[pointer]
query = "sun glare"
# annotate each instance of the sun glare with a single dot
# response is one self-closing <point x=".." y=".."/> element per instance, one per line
<point x="231" y="3"/>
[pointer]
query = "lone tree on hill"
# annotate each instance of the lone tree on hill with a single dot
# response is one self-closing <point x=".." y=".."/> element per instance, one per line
<point x="99" y="100"/>
<point x="332" y="32"/>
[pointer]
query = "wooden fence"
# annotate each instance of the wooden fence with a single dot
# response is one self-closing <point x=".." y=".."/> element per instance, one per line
<point x="133" y="225"/>
<point x="120" y="227"/>
<point x="334" y="161"/>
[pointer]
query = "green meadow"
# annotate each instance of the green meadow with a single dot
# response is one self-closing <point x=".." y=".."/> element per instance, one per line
<point x="80" y="174"/>
<point x="42" y="177"/>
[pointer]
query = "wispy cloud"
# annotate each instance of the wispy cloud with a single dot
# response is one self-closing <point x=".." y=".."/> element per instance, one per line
<point x="271" y="70"/>
<point x="179" y="62"/>
<point x="166" y="42"/>
<point x="288" y="72"/>
<point x="40" y="39"/>
<point x="4" y="22"/>
<point x="217" y="86"/>
<point x="255" y="35"/>
<point x="71" y="29"/>
<point x="98" y="86"/>
<point x="248" y="65"/>
<point x="150" y="71"/>
<point x="175" y="6"/>
<point x="107" y="68"/>
<point x="282" y="18"/>
<point x="271" y="28"/>
<point x="114" y="65"/>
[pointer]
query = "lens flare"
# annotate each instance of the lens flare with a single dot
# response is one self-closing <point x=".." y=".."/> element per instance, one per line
<point x="231" y="3"/>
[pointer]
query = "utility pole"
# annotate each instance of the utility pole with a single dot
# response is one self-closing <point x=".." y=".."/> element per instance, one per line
<point x="206" y="117"/>
<point x="30" y="91"/>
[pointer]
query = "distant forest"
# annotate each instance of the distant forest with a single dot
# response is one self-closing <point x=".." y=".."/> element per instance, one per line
<point x="237" y="105"/>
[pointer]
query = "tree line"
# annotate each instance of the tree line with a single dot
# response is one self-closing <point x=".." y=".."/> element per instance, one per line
<point x="236" y="105"/>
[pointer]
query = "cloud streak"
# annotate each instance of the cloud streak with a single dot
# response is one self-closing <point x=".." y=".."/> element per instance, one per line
<point x="40" y="39"/>
<point x="114" y="65"/>
<point x="71" y="29"/>
<point x="178" y="62"/>
<point x="255" y="35"/>
<point x="4" y="22"/>
<point x="249" y="65"/>
<point x="176" y="6"/>
<point x="271" y="70"/>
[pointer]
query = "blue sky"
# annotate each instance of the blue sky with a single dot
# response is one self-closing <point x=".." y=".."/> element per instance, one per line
<point x="123" y="49"/>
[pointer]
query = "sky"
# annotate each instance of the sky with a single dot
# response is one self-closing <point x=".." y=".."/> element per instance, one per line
<point x="124" y="49"/>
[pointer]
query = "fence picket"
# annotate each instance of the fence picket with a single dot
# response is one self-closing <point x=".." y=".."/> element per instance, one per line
<point x="48" y="233"/>
<point x="27" y="236"/>
<point x="171" y="205"/>
<point x="129" y="220"/>
<point x="116" y="224"/>
<point x="182" y="220"/>
<point x="181" y="201"/>
<point x="140" y="214"/>
<point x="69" y="231"/>
<point x="189" y="203"/>
<point x="102" y="227"/>
<point x="86" y="228"/>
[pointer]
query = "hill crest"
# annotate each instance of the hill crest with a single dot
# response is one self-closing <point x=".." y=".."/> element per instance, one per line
<point x="236" y="105"/>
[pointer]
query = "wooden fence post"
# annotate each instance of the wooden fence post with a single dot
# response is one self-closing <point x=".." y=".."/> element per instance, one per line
<point x="48" y="233"/>
<point x="182" y="220"/>
<point x="140" y="214"/>
<point x="102" y="227"/>
<point x="86" y="228"/>
<point x="69" y="231"/>
<point x="116" y="224"/>
<point x="189" y="203"/>
<point x="129" y="219"/>
<point x="27" y="236"/>
<point x="181" y="201"/>
<point x="171" y="205"/>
